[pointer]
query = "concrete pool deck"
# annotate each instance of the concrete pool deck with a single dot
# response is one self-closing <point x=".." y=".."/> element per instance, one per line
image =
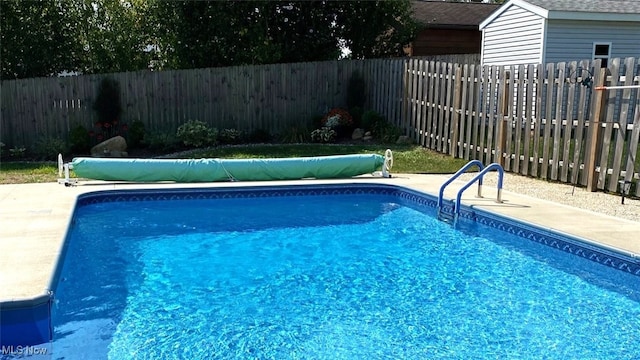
<point x="35" y="218"/>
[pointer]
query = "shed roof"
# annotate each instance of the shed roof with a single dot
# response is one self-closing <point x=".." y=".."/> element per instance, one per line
<point x="599" y="6"/>
<point x="445" y="14"/>
<point x="601" y="10"/>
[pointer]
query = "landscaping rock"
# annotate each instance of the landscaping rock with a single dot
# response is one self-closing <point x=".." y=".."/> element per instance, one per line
<point x="357" y="134"/>
<point x="113" y="147"/>
<point x="367" y="138"/>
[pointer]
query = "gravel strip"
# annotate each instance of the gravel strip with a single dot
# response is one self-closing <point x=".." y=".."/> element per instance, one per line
<point x="600" y="202"/>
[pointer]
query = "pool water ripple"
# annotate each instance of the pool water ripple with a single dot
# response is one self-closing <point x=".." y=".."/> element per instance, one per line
<point x="345" y="277"/>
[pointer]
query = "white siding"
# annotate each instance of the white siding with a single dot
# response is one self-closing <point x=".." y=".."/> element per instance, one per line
<point x="514" y="37"/>
<point x="573" y="40"/>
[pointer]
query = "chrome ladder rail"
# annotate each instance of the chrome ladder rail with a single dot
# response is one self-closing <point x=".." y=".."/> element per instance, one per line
<point x="492" y="166"/>
<point x="455" y="176"/>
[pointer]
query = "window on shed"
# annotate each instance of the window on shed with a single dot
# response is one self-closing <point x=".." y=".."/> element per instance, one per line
<point x="602" y="51"/>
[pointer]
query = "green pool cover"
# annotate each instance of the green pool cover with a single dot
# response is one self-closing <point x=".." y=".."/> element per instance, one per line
<point x="204" y="170"/>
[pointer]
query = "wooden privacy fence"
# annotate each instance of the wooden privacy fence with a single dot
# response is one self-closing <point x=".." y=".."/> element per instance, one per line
<point x="269" y="97"/>
<point x="534" y="120"/>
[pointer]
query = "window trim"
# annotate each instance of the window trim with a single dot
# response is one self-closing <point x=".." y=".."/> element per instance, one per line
<point x="603" y="57"/>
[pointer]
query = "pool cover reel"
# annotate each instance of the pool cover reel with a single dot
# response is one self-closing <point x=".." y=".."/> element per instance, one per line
<point x="206" y="170"/>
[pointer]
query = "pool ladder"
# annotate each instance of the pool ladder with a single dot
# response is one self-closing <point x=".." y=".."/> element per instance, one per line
<point x="483" y="170"/>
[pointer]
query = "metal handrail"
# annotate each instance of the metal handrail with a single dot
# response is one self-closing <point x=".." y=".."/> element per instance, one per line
<point x="456" y="175"/>
<point x="492" y="166"/>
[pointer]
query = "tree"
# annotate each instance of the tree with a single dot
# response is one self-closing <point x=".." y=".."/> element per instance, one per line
<point x="37" y="38"/>
<point x="376" y="28"/>
<point x="102" y="36"/>
<point x="114" y="34"/>
<point x="86" y="36"/>
<point x="204" y="34"/>
<point x="194" y="34"/>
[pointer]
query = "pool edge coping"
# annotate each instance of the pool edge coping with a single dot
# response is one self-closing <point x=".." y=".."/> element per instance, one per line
<point x="47" y="295"/>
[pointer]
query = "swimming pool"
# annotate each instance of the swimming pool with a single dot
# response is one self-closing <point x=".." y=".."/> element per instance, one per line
<point x="343" y="271"/>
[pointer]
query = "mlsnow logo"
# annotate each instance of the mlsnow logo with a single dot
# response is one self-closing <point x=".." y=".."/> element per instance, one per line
<point x="23" y="350"/>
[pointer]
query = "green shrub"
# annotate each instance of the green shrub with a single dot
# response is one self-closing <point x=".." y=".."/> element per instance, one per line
<point x="2" y="145"/>
<point x="371" y="119"/>
<point x="295" y="135"/>
<point x="386" y="132"/>
<point x="197" y="134"/>
<point x="259" y="136"/>
<point x="79" y="140"/>
<point x="48" y="148"/>
<point x="230" y="136"/>
<point x="356" y="114"/>
<point x="17" y="151"/>
<point x="135" y="134"/>
<point x="161" y="141"/>
<point x="324" y="135"/>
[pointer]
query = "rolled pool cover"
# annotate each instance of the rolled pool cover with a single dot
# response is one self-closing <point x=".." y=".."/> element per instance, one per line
<point x="206" y="170"/>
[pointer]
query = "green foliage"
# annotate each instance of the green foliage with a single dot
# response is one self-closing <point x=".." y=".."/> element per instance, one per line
<point x="97" y="36"/>
<point x="264" y="32"/>
<point x="102" y="36"/>
<point x="380" y="128"/>
<point x="259" y="136"/>
<point x="197" y="134"/>
<point x="107" y="103"/>
<point x="389" y="26"/>
<point x="135" y="134"/>
<point x="356" y="95"/>
<point x="38" y="39"/>
<point x="229" y="136"/>
<point x="385" y="132"/>
<point x="48" y="148"/>
<point x="79" y="140"/>
<point x="19" y="172"/>
<point x="295" y="135"/>
<point x="114" y="34"/>
<point x="2" y="145"/>
<point x="356" y="114"/>
<point x="324" y="135"/>
<point x="17" y="151"/>
<point x="337" y="117"/>
<point x="371" y="119"/>
<point x="161" y="141"/>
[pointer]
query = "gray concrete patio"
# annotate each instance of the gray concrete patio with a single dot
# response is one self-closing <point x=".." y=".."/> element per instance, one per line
<point x="35" y="218"/>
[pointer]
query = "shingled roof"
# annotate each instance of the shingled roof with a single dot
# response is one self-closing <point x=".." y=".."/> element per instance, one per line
<point x="594" y="10"/>
<point x="445" y="14"/>
<point x="597" y="6"/>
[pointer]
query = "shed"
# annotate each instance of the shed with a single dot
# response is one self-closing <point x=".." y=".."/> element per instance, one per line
<point x="551" y="31"/>
<point x="449" y="27"/>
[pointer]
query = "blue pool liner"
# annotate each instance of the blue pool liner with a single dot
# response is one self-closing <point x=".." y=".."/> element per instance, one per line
<point x="28" y="323"/>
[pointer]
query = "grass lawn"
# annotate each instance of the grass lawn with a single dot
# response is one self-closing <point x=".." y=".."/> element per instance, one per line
<point x="407" y="159"/>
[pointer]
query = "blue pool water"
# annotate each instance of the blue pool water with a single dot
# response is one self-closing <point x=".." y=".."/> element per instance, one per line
<point x="351" y="276"/>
